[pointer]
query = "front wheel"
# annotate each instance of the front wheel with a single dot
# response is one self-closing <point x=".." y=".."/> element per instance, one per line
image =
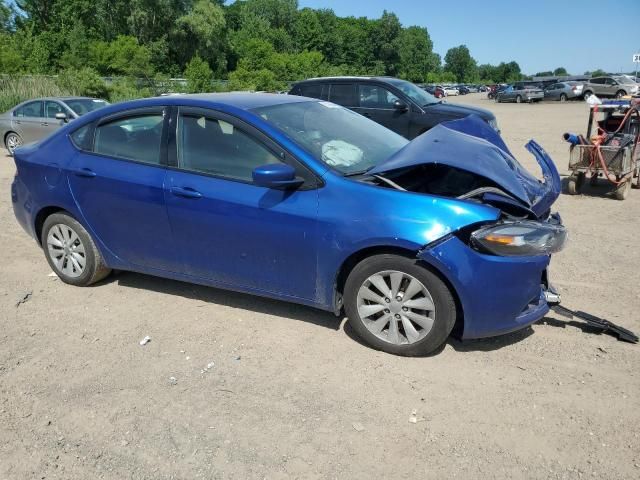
<point x="12" y="141"/>
<point x="398" y="306"/>
<point x="71" y="252"/>
<point x="587" y="94"/>
<point x="518" y="99"/>
<point x="563" y="98"/>
<point x="620" y="93"/>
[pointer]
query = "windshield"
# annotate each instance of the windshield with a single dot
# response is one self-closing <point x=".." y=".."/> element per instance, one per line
<point x="414" y="92"/>
<point x="85" y="105"/>
<point x="336" y="136"/>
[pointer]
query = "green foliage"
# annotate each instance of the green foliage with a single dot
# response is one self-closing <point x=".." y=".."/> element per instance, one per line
<point x="596" y="73"/>
<point x="85" y="82"/>
<point x="560" y="71"/>
<point x="198" y="75"/>
<point x="459" y="61"/>
<point x="256" y="44"/>
<point x="16" y="89"/>
<point x="546" y="73"/>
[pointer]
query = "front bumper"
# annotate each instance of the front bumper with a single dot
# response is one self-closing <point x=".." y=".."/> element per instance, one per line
<point x="497" y="294"/>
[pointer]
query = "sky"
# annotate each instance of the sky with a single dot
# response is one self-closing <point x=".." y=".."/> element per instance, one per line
<point x="539" y="34"/>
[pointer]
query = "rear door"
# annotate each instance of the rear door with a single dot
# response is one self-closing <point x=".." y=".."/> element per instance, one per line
<point x="598" y="86"/>
<point x="28" y="119"/>
<point x="377" y="103"/>
<point x="344" y="93"/>
<point x="117" y="182"/>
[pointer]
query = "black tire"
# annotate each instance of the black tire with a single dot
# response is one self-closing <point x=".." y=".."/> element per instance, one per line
<point x="587" y="94"/>
<point x="7" y="141"/>
<point x="575" y="183"/>
<point x="620" y="93"/>
<point x="94" y="269"/>
<point x="518" y="99"/>
<point x="563" y="97"/>
<point x="445" y="307"/>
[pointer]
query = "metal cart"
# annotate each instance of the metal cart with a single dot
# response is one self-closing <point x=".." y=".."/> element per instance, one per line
<point x="608" y="149"/>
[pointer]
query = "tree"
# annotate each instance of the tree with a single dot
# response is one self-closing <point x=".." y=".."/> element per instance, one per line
<point x="560" y="71"/>
<point x="199" y="75"/>
<point x="202" y="32"/>
<point x="596" y="73"/>
<point x="415" y="50"/>
<point x="546" y="73"/>
<point x="458" y="61"/>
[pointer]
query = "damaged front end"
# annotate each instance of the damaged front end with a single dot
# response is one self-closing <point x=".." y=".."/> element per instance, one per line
<point x="498" y="268"/>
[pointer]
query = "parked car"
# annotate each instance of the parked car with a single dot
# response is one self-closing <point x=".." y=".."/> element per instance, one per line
<point x="519" y="94"/>
<point x="35" y="119"/>
<point x="463" y="90"/>
<point x="436" y="91"/>
<point x="473" y="88"/>
<point x="397" y="104"/>
<point x="304" y="201"/>
<point x="451" y="91"/>
<point x="616" y="86"/>
<point x="563" y="91"/>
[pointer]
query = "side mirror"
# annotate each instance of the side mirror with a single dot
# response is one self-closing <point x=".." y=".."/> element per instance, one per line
<point x="276" y="175"/>
<point x="61" y="116"/>
<point x="400" y="106"/>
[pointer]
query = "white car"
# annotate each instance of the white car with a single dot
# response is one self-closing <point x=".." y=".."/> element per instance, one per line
<point x="451" y="91"/>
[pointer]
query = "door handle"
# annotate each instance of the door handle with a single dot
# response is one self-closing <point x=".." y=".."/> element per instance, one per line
<point x="84" y="172"/>
<point x="44" y="124"/>
<point x="185" y="192"/>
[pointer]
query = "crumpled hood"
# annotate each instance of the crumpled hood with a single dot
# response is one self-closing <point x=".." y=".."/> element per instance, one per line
<point x="472" y="145"/>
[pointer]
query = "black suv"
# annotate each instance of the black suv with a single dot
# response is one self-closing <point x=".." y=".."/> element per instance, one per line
<point x="397" y="104"/>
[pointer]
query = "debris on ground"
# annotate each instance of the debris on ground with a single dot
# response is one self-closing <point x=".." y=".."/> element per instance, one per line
<point x="24" y="298"/>
<point x="173" y="381"/>
<point x="209" y="366"/>
<point x="358" y="427"/>
<point x="53" y="275"/>
<point x="145" y="340"/>
<point x="413" y="418"/>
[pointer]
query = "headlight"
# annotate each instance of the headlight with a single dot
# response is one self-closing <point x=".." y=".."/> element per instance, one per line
<point x="523" y="238"/>
<point x="493" y="123"/>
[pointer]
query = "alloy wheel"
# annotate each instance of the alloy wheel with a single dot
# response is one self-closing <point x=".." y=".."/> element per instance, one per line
<point x="13" y="141"/>
<point x="396" y="307"/>
<point x="66" y="250"/>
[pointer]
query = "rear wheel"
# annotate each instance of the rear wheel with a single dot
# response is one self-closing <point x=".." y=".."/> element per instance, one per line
<point x="12" y="141"/>
<point x="575" y="183"/>
<point x="563" y="97"/>
<point x="587" y="94"/>
<point x="396" y="305"/>
<point x="518" y="99"/>
<point x="71" y="252"/>
<point x="620" y="93"/>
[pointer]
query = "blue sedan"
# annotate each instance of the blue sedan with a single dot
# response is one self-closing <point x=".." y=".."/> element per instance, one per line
<point x="304" y="201"/>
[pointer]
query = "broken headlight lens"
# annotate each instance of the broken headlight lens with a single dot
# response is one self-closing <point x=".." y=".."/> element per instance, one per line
<point x="523" y="238"/>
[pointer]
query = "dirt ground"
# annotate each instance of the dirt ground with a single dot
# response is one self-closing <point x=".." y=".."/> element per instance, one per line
<point x="291" y="393"/>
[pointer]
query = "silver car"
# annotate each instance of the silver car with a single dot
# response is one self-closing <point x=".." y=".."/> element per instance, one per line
<point x="34" y="119"/>
<point x="563" y="91"/>
<point x="617" y="87"/>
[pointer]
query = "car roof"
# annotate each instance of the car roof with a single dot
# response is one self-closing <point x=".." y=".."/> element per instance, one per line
<point x="347" y="77"/>
<point x="242" y="100"/>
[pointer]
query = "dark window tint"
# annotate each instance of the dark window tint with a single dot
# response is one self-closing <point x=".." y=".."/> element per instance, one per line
<point x="85" y="105"/>
<point x="314" y="90"/>
<point x="373" y="96"/>
<point x="134" y="138"/>
<point x="343" y="94"/>
<point x="219" y="148"/>
<point x="31" y="109"/>
<point x="51" y="108"/>
<point x="598" y="81"/>
<point x="82" y="137"/>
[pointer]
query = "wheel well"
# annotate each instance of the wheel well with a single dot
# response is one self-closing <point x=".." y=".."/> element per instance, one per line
<point x="4" y="140"/>
<point x="42" y="215"/>
<point x="355" y="258"/>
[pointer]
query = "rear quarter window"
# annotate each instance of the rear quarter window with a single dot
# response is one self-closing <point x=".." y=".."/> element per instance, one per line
<point x="344" y="94"/>
<point x="314" y="90"/>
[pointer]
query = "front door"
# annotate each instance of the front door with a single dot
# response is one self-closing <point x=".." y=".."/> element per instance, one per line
<point x="229" y="230"/>
<point x="377" y="103"/>
<point x="118" y="187"/>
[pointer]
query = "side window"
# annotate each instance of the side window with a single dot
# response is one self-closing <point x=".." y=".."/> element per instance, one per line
<point x="343" y="94"/>
<point x="219" y="148"/>
<point x="51" y="108"/>
<point x="597" y="81"/>
<point x="374" y="96"/>
<point x="313" y="90"/>
<point x="132" y="138"/>
<point x="31" y="109"/>
<point x="81" y="138"/>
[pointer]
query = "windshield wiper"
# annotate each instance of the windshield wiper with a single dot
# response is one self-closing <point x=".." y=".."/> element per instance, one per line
<point x="359" y="172"/>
